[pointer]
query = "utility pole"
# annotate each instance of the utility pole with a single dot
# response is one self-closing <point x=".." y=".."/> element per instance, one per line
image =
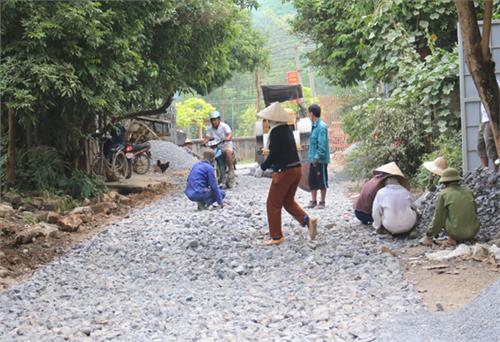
<point x="297" y="63"/>
<point x="222" y="103"/>
<point x="10" y="177"/>
<point x="257" y="88"/>
<point x="311" y="81"/>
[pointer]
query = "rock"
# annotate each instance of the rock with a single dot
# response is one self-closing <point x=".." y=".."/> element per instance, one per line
<point x="13" y="199"/>
<point x="85" y="213"/>
<point x="480" y="252"/>
<point x="104" y="207"/>
<point x="41" y="229"/>
<point x="495" y="252"/>
<point x="70" y="223"/>
<point x="461" y="251"/>
<point x="114" y="195"/>
<point x="6" y="211"/>
<point x="51" y="204"/>
<point x="53" y="217"/>
<point x="241" y="269"/>
<point x="28" y="217"/>
<point x="124" y="199"/>
<point x="4" y="273"/>
<point x="193" y="244"/>
<point x="37" y="202"/>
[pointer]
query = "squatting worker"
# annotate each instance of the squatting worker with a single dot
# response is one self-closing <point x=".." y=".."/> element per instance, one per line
<point x="364" y="205"/>
<point x="202" y="184"/>
<point x="394" y="209"/>
<point x="485" y="141"/>
<point x="319" y="156"/>
<point x="284" y="160"/>
<point x="455" y="211"/>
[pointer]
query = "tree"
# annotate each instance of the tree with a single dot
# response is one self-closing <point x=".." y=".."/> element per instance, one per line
<point x="478" y="57"/>
<point x="193" y="112"/>
<point x="65" y="65"/>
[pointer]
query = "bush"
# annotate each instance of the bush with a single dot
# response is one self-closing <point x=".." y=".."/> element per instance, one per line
<point x="450" y="149"/>
<point x="387" y="134"/>
<point x="39" y="168"/>
<point x="81" y="185"/>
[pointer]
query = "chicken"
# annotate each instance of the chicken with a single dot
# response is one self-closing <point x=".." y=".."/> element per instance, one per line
<point x="162" y="166"/>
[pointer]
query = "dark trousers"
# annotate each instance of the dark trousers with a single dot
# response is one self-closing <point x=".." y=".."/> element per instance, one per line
<point x="282" y="194"/>
<point x="363" y="217"/>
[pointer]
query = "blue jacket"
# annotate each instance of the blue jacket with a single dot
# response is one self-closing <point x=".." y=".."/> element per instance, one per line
<point x="201" y="182"/>
<point x="319" y="149"/>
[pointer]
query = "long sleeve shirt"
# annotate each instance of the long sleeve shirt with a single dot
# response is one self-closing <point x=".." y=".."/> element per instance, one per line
<point x="368" y="192"/>
<point x="319" y="148"/>
<point x="455" y="212"/>
<point x="202" y="181"/>
<point x="394" y="209"/>
<point x="282" y="149"/>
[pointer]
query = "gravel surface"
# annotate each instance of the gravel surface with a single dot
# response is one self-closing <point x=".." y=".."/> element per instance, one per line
<point x="172" y="273"/>
<point x="485" y="185"/>
<point x="166" y="151"/>
<point x="477" y="321"/>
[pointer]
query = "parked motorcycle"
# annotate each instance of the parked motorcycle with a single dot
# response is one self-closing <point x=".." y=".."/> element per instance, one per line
<point x="221" y="167"/>
<point x="138" y="158"/>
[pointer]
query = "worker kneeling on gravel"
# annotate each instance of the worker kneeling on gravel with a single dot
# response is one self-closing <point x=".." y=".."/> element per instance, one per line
<point x="284" y="160"/>
<point x="455" y="211"/>
<point x="394" y="210"/>
<point x="364" y="205"/>
<point x="202" y="185"/>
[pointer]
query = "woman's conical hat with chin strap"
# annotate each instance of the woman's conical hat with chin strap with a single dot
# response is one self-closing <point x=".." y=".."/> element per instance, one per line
<point x="393" y="170"/>
<point x="274" y="112"/>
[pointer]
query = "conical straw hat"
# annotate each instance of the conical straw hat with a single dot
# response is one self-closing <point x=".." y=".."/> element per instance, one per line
<point x="274" y="112"/>
<point x="393" y="170"/>
<point x="437" y="166"/>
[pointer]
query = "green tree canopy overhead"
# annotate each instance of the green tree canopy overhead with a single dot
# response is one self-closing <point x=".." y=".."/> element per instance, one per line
<point x="64" y="63"/>
<point x="361" y="39"/>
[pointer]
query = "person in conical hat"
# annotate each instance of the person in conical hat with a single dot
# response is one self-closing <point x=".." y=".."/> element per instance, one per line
<point x="436" y="168"/>
<point x="364" y="205"/>
<point x="283" y="159"/>
<point x="455" y="211"/>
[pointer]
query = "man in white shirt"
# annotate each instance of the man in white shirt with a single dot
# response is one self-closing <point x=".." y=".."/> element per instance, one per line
<point x="486" y="141"/>
<point x="393" y="208"/>
<point x="221" y="131"/>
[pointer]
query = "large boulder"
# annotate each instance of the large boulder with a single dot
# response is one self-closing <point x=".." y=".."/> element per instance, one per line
<point x="104" y="207"/>
<point x="6" y="211"/>
<point x="85" y="213"/>
<point x="53" y="217"/>
<point x="70" y="223"/>
<point x="30" y="234"/>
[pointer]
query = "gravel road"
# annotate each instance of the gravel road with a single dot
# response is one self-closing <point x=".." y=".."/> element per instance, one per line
<point x="171" y="273"/>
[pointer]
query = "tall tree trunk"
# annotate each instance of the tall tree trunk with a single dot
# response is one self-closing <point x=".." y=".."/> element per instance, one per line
<point x="10" y="177"/>
<point x="481" y="67"/>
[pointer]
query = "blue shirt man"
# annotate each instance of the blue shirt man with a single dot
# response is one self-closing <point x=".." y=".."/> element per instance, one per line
<point x="319" y="157"/>
<point x="202" y="185"/>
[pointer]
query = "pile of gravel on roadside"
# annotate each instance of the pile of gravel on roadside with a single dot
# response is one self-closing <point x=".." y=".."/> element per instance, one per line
<point x="166" y="151"/>
<point x="485" y="184"/>
<point x="476" y="321"/>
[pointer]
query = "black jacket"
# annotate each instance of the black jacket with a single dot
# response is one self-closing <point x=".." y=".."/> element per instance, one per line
<point x="282" y="149"/>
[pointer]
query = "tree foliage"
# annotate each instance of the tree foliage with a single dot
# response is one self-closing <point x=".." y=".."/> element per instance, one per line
<point x="193" y="112"/>
<point x="66" y="63"/>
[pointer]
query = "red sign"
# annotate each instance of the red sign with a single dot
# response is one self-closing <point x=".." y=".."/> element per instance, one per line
<point x="292" y="77"/>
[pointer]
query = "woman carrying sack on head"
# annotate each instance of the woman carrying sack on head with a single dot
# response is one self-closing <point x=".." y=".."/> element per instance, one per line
<point x="284" y="161"/>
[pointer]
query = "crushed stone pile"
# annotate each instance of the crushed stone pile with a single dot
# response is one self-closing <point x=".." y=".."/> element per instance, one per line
<point x="485" y="185"/>
<point x="178" y="157"/>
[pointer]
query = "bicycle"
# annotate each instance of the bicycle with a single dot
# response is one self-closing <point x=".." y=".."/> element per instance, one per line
<point x="111" y="170"/>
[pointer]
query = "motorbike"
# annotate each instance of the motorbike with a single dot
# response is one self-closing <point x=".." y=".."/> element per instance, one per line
<point x="138" y="158"/>
<point x="221" y="167"/>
